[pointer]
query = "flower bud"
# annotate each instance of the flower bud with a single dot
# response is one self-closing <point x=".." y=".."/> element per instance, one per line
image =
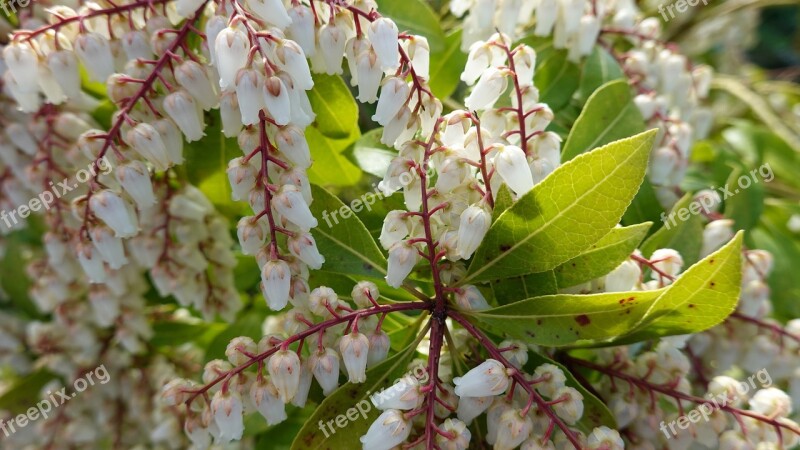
<point x="290" y="204"/>
<point x="276" y="281"/>
<point x="231" y="49"/>
<point x="237" y="349"/>
<point x="117" y="213"/>
<point x="604" y="438"/>
<point x="771" y="402"/>
<point x="489" y="378"/>
<point x="284" y="369"/>
<point x="181" y="108"/>
<point x="667" y="261"/>
<point x="402" y="259"/>
<point x="266" y="399"/>
<point x="513" y="429"/>
<point x="354" y="348"/>
<point x="324" y="364"/>
<point x="389" y="430"/>
<point x="715" y="235"/>
<point x="228" y="416"/>
<point x="552" y="378"/>
<point x="95" y="53"/>
<point x="570" y="404"/>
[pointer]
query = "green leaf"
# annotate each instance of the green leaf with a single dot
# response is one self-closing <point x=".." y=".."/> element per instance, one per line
<point x="600" y="68"/>
<point x="344" y="432"/>
<point x="331" y="167"/>
<point x="172" y="333"/>
<point x="682" y="231"/>
<point x="645" y="206"/>
<point x="745" y="205"/>
<point x="602" y="257"/>
<point x="23" y="393"/>
<point x="565" y="319"/>
<point x="371" y="155"/>
<point x="336" y="109"/>
<point x="347" y="245"/>
<point x="557" y="78"/>
<point x="211" y="154"/>
<point x="595" y="411"/>
<point x="416" y="17"/>
<point x="503" y="200"/>
<point x="609" y="114"/>
<point x="702" y="297"/>
<point x="447" y="65"/>
<point x="575" y="206"/>
<point x="510" y="290"/>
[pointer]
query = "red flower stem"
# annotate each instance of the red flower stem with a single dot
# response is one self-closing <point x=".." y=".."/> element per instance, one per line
<point x="408" y="306"/>
<point x="147" y="84"/>
<point x="487" y="177"/>
<point x="670" y="391"/>
<point x="518" y="377"/>
<point x="518" y="91"/>
<point x="437" y="336"/>
<point x="774" y="328"/>
<point x="27" y="35"/>
<point x="265" y="146"/>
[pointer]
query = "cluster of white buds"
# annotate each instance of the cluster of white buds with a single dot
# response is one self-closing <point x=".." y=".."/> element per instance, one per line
<point x="464" y="150"/>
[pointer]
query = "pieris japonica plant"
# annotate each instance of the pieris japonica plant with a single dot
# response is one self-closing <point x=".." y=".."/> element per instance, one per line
<point x="390" y="225"/>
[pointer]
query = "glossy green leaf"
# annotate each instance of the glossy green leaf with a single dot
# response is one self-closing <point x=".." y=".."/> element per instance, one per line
<point x="447" y="65"/>
<point x="415" y="17"/>
<point x="331" y="167"/>
<point x="503" y="200"/>
<point x="347" y="245"/>
<point x="773" y="236"/>
<point x="510" y="290"/>
<point x="371" y="155"/>
<point x="342" y="422"/>
<point x="681" y="231"/>
<point x="609" y="115"/>
<point x="173" y="333"/>
<point x="567" y="319"/>
<point x="645" y="206"/>
<point x="703" y="296"/>
<point x="575" y="206"/>
<point x="602" y="257"/>
<point x="334" y="105"/>
<point x="23" y="393"/>
<point x="557" y="78"/>
<point x="598" y="69"/>
<point x="746" y="201"/>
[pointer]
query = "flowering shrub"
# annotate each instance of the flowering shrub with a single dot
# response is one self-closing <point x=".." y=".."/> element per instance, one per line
<point x="535" y="252"/>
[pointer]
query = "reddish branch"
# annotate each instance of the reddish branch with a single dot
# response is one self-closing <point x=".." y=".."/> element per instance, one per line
<point x="322" y="326"/>
<point x="774" y="328"/>
<point x="670" y="391"/>
<point x="146" y="85"/>
<point x="519" y="379"/>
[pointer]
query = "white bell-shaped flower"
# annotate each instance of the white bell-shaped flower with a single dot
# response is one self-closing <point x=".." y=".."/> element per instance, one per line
<point x="249" y="83"/>
<point x="147" y="142"/>
<point x="292" y="60"/>
<point x="109" y="246"/>
<point x="524" y="65"/>
<point x="471" y="407"/>
<point x="276" y="100"/>
<point x="228" y="411"/>
<point x="194" y="78"/>
<point x="394" y="94"/>
<point x="65" y="64"/>
<point x="460" y="435"/>
<point x="771" y="402"/>
<point x="293" y="144"/>
<point x="231" y="48"/>
<point x="389" y="430"/>
<point x="186" y="113"/>
<point x="135" y="180"/>
<point x="402" y="259"/>
<point x="420" y="54"/>
<point x="469" y="298"/>
<point x="290" y="204"/>
<point x="324" y="365"/>
<point x="624" y="277"/>
<point x="332" y="40"/>
<point x="383" y="33"/>
<point x="551" y="378"/>
<point x="303" y="246"/>
<point x="363" y="291"/>
<point x="512" y="166"/>
<point x="395" y="228"/>
<point x="369" y="74"/>
<point x="473" y="225"/>
<point x="663" y="163"/>
<point x="252" y="234"/>
<point x="569" y="404"/>
<point x="23" y="63"/>
<point x="715" y="235"/>
<point x="276" y="279"/>
<point x="116" y="212"/>
<point x="271" y="11"/>
<point x="488" y="378"/>
<point x="354" y="348"/>
<point x="266" y="399"/>
<point x="284" y="369"/>
<point x="301" y="29"/>
<point x="92" y="264"/>
<point x="404" y="395"/>
<point x="94" y="52"/>
<point x="379" y="344"/>
<point x="512" y="430"/>
<point x="490" y="87"/>
<point x="478" y="60"/>
<point x="242" y="177"/>
<point x="667" y="261"/>
<point x="188" y="8"/>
